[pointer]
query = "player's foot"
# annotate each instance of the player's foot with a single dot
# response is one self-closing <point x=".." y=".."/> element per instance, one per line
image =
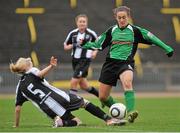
<point x="57" y="122"/>
<point x="132" y="116"/>
<point x="116" y="122"/>
<point x="79" y="122"/>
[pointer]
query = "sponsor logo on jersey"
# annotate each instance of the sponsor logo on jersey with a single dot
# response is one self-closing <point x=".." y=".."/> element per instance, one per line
<point x="122" y="42"/>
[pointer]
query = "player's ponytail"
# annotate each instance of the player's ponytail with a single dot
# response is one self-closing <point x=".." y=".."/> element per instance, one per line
<point x="19" y="66"/>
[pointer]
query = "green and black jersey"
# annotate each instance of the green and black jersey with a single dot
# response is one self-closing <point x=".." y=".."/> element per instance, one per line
<point x="123" y="43"/>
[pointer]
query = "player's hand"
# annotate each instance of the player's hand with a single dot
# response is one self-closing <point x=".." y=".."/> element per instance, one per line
<point x="53" y="61"/>
<point x="170" y="54"/>
<point x="94" y="54"/>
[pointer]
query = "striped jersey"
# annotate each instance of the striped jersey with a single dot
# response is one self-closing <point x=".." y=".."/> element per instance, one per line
<point x="74" y="38"/>
<point x="44" y="96"/>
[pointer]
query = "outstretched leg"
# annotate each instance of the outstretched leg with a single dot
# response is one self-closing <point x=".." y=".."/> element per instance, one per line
<point x="96" y="111"/>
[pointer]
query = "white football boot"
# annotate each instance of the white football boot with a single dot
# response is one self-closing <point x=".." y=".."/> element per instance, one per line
<point x="57" y="122"/>
<point x="116" y="122"/>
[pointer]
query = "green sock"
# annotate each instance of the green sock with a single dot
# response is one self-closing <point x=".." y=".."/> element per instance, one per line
<point x="110" y="101"/>
<point x="130" y="100"/>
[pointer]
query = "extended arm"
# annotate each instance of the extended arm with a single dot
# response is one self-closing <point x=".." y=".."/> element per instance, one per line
<point x="101" y="42"/>
<point x="17" y="115"/>
<point x="156" y="41"/>
<point x="20" y="99"/>
<point x="53" y="62"/>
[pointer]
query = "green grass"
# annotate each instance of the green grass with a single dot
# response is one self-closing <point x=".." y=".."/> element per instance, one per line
<point x="155" y="115"/>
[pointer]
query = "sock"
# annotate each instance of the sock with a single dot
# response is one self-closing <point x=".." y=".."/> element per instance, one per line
<point x="110" y="101"/>
<point x="96" y="111"/>
<point x="93" y="91"/>
<point x="130" y="100"/>
<point x="69" y="123"/>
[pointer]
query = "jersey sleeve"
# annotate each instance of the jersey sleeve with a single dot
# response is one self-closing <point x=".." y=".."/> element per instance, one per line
<point x="101" y="42"/>
<point x="94" y="36"/>
<point x="147" y="35"/>
<point x="20" y="99"/>
<point x="68" y="39"/>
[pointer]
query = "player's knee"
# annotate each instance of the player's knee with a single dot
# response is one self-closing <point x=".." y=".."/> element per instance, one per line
<point x="86" y="102"/>
<point x="74" y="83"/>
<point x="127" y="84"/>
<point x="83" y="86"/>
<point x="18" y="109"/>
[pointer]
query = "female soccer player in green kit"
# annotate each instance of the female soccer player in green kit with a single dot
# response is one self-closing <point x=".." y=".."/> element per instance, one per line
<point x="122" y="40"/>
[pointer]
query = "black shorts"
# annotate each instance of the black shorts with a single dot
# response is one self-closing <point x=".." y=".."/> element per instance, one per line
<point x="80" y="67"/>
<point x="75" y="103"/>
<point x="111" y="70"/>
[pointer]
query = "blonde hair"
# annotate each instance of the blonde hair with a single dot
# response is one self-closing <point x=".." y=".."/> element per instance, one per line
<point x="81" y="15"/>
<point x="122" y="8"/>
<point x="19" y="66"/>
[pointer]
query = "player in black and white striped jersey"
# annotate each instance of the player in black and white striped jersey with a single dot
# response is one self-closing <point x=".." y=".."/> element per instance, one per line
<point x="54" y="102"/>
<point x="81" y="58"/>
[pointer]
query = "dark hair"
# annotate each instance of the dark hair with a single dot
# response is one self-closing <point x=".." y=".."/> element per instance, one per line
<point x="121" y="8"/>
<point x="81" y="15"/>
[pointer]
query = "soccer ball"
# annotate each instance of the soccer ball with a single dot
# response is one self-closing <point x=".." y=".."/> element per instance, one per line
<point x="118" y="110"/>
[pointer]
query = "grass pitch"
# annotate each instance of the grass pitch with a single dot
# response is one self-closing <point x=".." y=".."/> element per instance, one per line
<point x="155" y="115"/>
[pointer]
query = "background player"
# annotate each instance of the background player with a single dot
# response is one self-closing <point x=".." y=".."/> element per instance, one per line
<point x="81" y="58"/>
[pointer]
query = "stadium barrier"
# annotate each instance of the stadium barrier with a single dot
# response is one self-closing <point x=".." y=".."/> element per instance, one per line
<point x="159" y="77"/>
